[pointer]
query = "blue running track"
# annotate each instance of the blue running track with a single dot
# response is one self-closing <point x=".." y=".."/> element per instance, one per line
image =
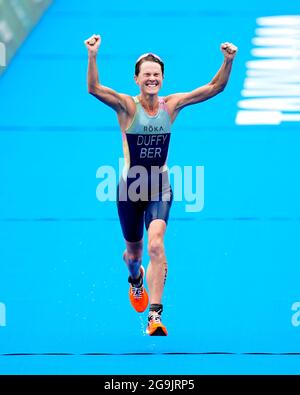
<point x="233" y="287"/>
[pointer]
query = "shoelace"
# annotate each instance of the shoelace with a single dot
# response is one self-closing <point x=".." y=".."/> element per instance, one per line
<point x="137" y="291"/>
<point x="154" y="317"/>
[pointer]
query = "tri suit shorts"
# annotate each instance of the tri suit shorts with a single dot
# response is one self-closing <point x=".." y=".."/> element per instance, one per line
<point x="137" y="206"/>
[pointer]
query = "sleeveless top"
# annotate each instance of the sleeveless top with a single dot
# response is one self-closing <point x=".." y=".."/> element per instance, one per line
<point x="146" y="141"/>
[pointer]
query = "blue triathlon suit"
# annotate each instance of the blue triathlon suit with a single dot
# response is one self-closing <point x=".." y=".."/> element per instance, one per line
<point x="144" y="192"/>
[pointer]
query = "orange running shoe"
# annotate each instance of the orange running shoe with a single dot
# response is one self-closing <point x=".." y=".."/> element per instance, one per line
<point x="155" y="326"/>
<point x="138" y="295"/>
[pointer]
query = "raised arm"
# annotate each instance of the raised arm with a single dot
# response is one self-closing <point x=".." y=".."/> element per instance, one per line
<point x="106" y="95"/>
<point x="178" y="101"/>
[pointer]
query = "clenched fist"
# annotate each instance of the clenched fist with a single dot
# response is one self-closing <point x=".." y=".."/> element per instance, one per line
<point x="93" y="44"/>
<point x="229" y="50"/>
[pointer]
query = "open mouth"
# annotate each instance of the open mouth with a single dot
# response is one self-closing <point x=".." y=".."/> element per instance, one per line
<point x="152" y="85"/>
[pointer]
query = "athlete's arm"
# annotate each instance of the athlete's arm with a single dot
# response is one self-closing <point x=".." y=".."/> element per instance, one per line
<point x="106" y="95"/>
<point x="178" y="101"/>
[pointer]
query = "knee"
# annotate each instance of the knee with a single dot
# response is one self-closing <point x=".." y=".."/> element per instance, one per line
<point x="132" y="257"/>
<point x="133" y="251"/>
<point x="156" y="248"/>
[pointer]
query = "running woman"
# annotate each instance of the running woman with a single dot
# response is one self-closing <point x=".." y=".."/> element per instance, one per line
<point x="144" y="195"/>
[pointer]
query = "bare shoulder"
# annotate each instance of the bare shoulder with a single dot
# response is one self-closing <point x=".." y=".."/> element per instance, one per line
<point x="126" y="115"/>
<point x="172" y="102"/>
<point x="171" y="99"/>
<point x="119" y="102"/>
<point x="129" y="104"/>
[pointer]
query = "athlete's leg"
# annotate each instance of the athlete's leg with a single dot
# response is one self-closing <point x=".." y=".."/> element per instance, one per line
<point x="156" y="218"/>
<point x="133" y="257"/>
<point x="156" y="276"/>
<point x="131" y="215"/>
<point x="137" y="293"/>
<point x="157" y="268"/>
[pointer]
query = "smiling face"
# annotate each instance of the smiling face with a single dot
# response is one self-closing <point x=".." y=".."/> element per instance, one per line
<point x="149" y="78"/>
